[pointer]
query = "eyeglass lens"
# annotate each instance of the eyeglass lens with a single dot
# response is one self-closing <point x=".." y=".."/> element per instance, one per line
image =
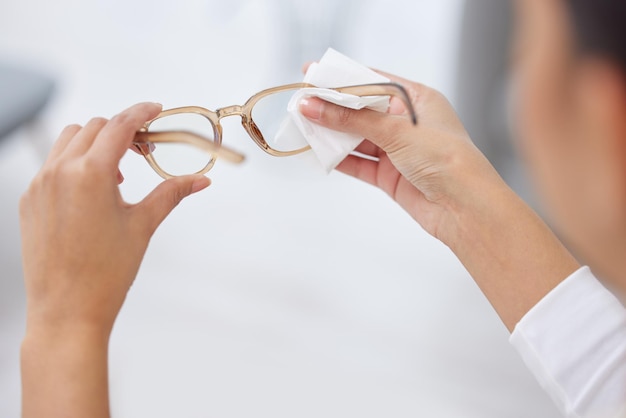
<point x="180" y="158"/>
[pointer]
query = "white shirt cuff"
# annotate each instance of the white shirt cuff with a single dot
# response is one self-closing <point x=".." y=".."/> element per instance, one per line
<point x="574" y="342"/>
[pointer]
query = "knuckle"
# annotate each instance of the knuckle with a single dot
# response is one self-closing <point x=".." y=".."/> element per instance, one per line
<point x="51" y="174"/>
<point x="439" y="96"/>
<point x="97" y="121"/>
<point x="44" y="181"/>
<point x="344" y="115"/>
<point x="431" y="95"/>
<point x="122" y="119"/>
<point x="392" y="135"/>
<point x="48" y="172"/>
<point x="417" y="89"/>
<point x="91" y="164"/>
<point x="69" y="131"/>
<point x="71" y="128"/>
<point x="179" y="194"/>
<point x="423" y="94"/>
<point x="67" y="172"/>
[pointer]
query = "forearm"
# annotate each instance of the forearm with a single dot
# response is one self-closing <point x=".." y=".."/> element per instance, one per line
<point x="510" y="252"/>
<point x="64" y="372"/>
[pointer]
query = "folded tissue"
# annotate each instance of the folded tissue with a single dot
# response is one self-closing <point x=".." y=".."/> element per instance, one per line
<point x="333" y="70"/>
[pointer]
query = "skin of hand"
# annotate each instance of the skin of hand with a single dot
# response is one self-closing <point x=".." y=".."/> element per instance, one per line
<point x="82" y="245"/>
<point x="418" y="166"/>
<point x="441" y="179"/>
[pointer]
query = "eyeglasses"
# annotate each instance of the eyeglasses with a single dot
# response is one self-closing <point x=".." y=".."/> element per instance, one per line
<point x="188" y="140"/>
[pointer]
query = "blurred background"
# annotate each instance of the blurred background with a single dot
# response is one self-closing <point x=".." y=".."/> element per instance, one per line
<point x="280" y="291"/>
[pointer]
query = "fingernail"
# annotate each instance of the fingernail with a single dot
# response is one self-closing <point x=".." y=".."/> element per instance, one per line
<point x="200" y="183"/>
<point x="311" y="108"/>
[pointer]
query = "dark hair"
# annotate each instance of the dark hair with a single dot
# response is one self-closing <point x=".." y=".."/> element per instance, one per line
<point x="600" y="27"/>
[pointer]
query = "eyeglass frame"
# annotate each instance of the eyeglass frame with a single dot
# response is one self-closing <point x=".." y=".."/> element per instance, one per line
<point x="144" y="138"/>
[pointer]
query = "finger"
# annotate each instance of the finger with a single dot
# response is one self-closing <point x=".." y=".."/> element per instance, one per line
<point x="137" y="149"/>
<point x="117" y="135"/>
<point x="360" y="168"/>
<point x="64" y="138"/>
<point x="155" y="207"/>
<point x="381" y="173"/>
<point x="306" y="66"/>
<point x="397" y="107"/>
<point x="84" y="138"/>
<point x="379" y="128"/>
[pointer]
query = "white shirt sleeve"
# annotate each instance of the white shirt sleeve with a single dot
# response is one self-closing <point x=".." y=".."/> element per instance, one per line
<point x="574" y="342"/>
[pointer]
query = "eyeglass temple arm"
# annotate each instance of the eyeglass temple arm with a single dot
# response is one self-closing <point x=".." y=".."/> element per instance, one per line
<point x="382" y="89"/>
<point x="143" y="138"/>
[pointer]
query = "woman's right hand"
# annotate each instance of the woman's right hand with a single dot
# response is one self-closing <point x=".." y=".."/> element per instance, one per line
<point x="431" y="169"/>
<point x="434" y="171"/>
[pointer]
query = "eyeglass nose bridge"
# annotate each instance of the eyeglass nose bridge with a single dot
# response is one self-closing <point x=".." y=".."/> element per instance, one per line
<point x="234" y="110"/>
<point x="246" y="121"/>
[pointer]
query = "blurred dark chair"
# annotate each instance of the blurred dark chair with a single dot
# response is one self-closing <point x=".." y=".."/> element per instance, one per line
<point x="23" y="95"/>
<point x="482" y="81"/>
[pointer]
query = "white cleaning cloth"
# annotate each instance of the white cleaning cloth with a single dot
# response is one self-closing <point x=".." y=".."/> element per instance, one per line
<point x="333" y="70"/>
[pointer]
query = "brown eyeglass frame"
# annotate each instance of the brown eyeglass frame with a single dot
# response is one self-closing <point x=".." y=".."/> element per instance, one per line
<point x="144" y="138"/>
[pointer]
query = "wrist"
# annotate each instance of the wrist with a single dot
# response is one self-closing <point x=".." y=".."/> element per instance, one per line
<point x="56" y="327"/>
<point x="60" y="312"/>
<point x="509" y="251"/>
<point x="474" y="194"/>
<point x="50" y="336"/>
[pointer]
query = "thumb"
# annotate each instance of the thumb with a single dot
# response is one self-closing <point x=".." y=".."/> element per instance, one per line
<point x="155" y="207"/>
<point x="378" y="127"/>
